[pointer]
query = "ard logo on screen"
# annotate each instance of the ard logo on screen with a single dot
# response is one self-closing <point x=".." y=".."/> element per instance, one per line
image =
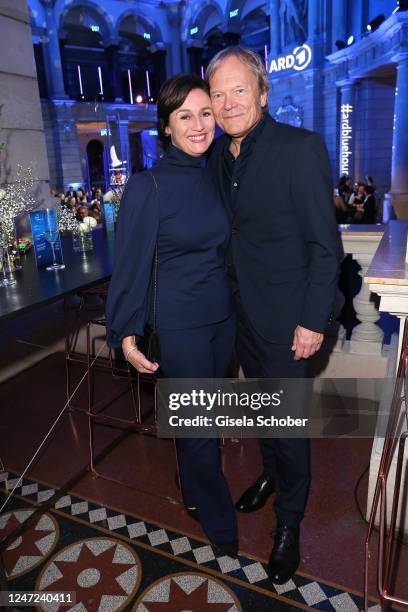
<point x="299" y="59"/>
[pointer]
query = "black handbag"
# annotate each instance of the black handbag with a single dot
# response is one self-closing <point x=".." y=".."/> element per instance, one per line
<point x="149" y="343"/>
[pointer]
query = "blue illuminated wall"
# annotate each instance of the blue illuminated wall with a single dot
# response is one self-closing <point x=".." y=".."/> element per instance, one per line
<point x="169" y="37"/>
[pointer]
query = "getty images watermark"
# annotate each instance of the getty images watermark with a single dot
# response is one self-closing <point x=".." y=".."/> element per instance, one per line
<point x="214" y="401"/>
<point x="302" y="408"/>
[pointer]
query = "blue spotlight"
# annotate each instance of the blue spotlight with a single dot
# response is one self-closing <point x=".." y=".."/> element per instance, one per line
<point x="375" y="23"/>
<point x="350" y="40"/>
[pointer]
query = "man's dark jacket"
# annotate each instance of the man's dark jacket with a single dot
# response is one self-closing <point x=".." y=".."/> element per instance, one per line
<point x="285" y="244"/>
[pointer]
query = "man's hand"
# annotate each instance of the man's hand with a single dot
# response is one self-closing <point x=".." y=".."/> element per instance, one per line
<point x="305" y="342"/>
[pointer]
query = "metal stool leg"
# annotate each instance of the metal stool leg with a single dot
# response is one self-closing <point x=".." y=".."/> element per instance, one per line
<point x="386" y="543"/>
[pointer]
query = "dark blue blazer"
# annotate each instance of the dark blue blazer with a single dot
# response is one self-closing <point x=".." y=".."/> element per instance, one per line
<point x="285" y="243"/>
<point x="188" y="221"/>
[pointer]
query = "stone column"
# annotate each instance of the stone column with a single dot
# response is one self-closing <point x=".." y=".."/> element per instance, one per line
<point x="347" y="128"/>
<point x="313" y="20"/>
<point x="21" y="126"/>
<point x="115" y="78"/>
<point x="398" y="196"/>
<point x="274" y="28"/>
<point x="52" y="54"/>
<point x="174" y="64"/>
<point x="339" y="23"/>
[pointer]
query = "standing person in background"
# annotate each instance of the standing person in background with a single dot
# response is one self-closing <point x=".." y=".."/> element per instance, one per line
<point x="176" y="206"/>
<point x="283" y="265"/>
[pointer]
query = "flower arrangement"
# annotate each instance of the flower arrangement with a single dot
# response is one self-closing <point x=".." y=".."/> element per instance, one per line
<point x="81" y="230"/>
<point x="87" y="224"/>
<point x="68" y="222"/>
<point x="114" y="196"/>
<point x="16" y="198"/>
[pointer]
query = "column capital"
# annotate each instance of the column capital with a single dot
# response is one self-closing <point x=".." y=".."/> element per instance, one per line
<point x="157" y="47"/>
<point x="194" y="43"/>
<point x="173" y="12"/>
<point x="112" y="45"/>
<point x="346" y="83"/>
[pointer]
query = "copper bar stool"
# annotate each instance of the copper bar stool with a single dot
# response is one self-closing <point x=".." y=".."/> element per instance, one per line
<point x="118" y="371"/>
<point x="398" y="420"/>
<point x="139" y="421"/>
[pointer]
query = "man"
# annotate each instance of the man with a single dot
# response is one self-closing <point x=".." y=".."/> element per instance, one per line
<point x="365" y="205"/>
<point x="276" y="184"/>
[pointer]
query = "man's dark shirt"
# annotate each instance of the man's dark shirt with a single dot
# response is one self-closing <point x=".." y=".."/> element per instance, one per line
<point x="234" y="168"/>
<point x="233" y="173"/>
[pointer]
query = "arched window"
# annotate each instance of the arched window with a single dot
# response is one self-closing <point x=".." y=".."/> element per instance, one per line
<point x="85" y="62"/>
<point x="137" y="39"/>
<point x="255" y="30"/>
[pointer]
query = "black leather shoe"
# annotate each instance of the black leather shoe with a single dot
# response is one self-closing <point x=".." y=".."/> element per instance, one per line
<point x="226" y="548"/>
<point x="285" y="557"/>
<point x="257" y="494"/>
<point x="192" y="513"/>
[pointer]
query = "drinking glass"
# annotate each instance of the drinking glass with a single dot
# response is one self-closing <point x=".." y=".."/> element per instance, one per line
<point x="51" y="235"/>
<point x="5" y="280"/>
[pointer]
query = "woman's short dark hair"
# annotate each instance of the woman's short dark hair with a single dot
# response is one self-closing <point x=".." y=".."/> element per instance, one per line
<point x="172" y="95"/>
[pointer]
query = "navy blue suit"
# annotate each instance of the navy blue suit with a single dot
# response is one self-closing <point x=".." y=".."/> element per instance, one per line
<point x="284" y="259"/>
<point x="186" y="219"/>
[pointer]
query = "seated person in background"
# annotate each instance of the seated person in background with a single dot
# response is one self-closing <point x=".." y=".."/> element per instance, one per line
<point x="70" y="193"/>
<point x="344" y="188"/>
<point x="365" y="205"/>
<point x="82" y="212"/>
<point x="98" y="195"/>
<point x="342" y="210"/>
<point x="95" y="210"/>
<point x="69" y="202"/>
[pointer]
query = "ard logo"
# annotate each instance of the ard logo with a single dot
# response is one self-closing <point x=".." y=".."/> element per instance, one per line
<point x="299" y="59"/>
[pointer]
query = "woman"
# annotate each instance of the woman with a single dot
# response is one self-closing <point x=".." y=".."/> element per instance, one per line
<point x="185" y="217"/>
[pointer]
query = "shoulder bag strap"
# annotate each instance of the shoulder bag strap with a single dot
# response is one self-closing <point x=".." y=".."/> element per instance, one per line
<point x="155" y="262"/>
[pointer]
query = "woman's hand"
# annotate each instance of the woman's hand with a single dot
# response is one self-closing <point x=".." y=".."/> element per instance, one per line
<point x="136" y="357"/>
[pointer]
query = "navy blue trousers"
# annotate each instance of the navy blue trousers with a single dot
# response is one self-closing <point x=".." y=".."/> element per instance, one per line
<point x="203" y="352"/>
<point x="287" y="460"/>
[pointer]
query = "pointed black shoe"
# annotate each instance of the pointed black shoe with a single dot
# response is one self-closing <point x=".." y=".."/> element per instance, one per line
<point x="192" y="513"/>
<point x="256" y="496"/>
<point x="285" y="557"/>
<point x="226" y="548"/>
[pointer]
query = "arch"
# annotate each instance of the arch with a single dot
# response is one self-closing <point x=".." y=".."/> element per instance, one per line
<point x="142" y="23"/>
<point x="198" y="14"/>
<point x="252" y="5"/>
<point x="202" y="6"/>
<point x="232" y="5"/>
<point x="257" y="16"/>
<point x="255" y="29"/>
<point x="209" y="17"/>
<point x="101" y="17"/>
